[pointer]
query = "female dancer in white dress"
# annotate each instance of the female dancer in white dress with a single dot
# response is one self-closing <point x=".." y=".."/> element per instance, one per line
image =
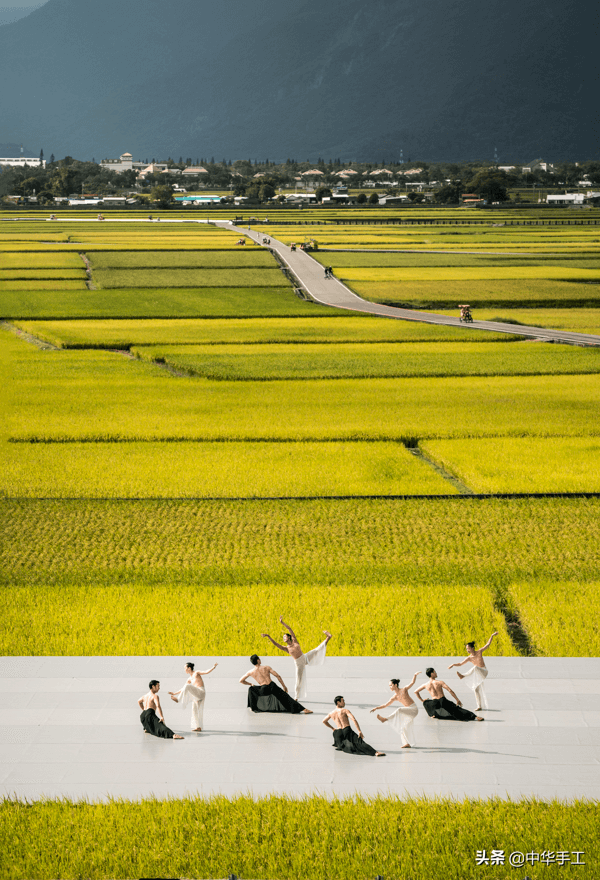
<point x="479" y="671"/>
<point x="193" y="692"/>
<point x="316" y="657"/>
<point x="402" y="719"/>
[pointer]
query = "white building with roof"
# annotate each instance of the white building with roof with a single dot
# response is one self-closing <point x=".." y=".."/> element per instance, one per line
<point x="123" y="163"/>
<point x="22" y="162"/>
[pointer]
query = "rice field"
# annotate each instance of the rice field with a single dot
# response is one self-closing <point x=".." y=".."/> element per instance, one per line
<point x="215" y="470"/>
<point x="335" y="328"/>
<point x="521" y="464"/>
<point x="232" y="277"/>
<point x="200" y="259"/>
<point x="349" y="360"/>
<point x="442" y="295"/>
<point x="286" y="838"/>
<point x="185" y="293"/>
<point x="72" y="298"/>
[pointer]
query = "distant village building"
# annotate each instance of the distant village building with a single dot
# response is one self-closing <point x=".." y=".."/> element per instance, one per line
<point x="380" y="171"/>
<point x="573" y="198"/>
<point x="21" y="162"/>
<point x="123" y="163"/>
<point x="537" y="165"/>
<point x="195" y="170"/>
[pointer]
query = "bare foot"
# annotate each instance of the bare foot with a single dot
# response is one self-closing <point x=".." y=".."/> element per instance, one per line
<point x="479" y="718"/>
<point x="328" y="634"/>
<point x="173" y="697"/>
<point x="307" y="712"/>
<point x="380" y="754"/>
<point x="459" y="675"/>
<point x="406" y="746"/>
<point x="381" y="718"/>
<point x="176" y="736"/>
<point x="196" y="729"/>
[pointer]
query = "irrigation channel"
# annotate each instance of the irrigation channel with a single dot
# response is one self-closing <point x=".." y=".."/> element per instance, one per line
<point x="331" y="292"/>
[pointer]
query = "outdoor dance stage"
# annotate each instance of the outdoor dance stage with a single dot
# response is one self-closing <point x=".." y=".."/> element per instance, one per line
<point x="70" y="727"/>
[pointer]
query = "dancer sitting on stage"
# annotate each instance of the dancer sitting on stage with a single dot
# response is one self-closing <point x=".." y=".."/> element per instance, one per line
<point x="151" y="722"/>
<point x="193" y="692"/>
<point x="402" y="719"/>
<point x="344" y="738"/>
<point x="316" y="657"/>
<point x="479" y="671"/>
<point x="439" y="706"/>
<point x="266" y="696"/>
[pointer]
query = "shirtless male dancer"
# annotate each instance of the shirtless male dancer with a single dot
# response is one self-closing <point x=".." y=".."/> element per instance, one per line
<point x="193" y="691"/>
<point x="344" y="738"/>
<point x="479" y="671"/>
<point x="402" y="719"/>
<point x="439" y="706"/>
<point x="266" y="696"/>
<point x="316" y="657"/>
<point x="151" y="722"/>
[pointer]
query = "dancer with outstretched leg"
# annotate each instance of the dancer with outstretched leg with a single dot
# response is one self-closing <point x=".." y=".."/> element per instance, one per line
<point x="316" y="657"/>
<point x="402" y="719"/>
<point x="478" y="672"/>
<point x="193" y="692"/>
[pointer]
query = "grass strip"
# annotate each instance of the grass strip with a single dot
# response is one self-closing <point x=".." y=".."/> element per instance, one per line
<point x="285" y="838"/>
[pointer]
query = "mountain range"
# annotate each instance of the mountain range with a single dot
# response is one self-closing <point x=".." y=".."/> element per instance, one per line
<point x="342" y="78"/>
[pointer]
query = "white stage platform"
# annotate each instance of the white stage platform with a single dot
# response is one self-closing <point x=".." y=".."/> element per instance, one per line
<point x="70" y="727"/>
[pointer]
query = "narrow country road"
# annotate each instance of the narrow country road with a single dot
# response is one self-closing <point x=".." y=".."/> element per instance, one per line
<point x="331" y="292"/>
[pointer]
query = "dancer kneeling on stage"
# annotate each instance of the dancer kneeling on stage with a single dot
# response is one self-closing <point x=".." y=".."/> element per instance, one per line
<point x="344" y="738"/>
<point x="151" y="722"/>
<point x="402" y="719"/>
<point x="266" y="696"/>
<point x="439" y="706"/>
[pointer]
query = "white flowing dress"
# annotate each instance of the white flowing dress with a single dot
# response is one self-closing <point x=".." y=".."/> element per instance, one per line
<point x="476" y="683"/>
<point x="316" y="657"/>
<point x="195" y="696"/>
<point x="402" y="722"/>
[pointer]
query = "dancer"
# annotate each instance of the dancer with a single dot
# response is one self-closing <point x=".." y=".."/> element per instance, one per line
<point x="402" y="719"/>
<point x="316" y="657"/>
<point x="479" y="671"/>
<point x="193" y="691"/>
<point x="344" y="738"/>
<point x="439" y="706"/>
<point x="151" y="722"/>
<point x="266" y="696"/>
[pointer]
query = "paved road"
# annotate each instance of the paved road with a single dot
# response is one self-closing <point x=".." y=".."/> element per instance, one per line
<point x="331" y="292"/>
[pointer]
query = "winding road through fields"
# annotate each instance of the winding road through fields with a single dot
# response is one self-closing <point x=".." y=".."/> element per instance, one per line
<point x="331" y="292"/>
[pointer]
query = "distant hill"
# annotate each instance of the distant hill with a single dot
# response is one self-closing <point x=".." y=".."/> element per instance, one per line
<point x="8" y="13"/>
<point x="348" y="78"/>
<point x="13" y="151"/>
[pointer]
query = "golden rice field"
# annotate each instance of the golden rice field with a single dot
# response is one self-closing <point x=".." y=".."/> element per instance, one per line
<point x="279" y="837"/>
<point x="116" y="494"/>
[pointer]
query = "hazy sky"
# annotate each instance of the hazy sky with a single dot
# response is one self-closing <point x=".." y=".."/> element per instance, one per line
<point x="20" y="3"/>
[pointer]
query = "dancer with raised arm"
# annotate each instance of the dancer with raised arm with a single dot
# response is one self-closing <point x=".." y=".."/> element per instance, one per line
<point x="266" y="696"/>
<point x="316" y="657"/>
<point x="344" y="738"/>
<point x="439" y="706"/>
<point x="479" y="671"/>
<point x="151" y="722"/>
<point x="402" y="719"/>
<point x="193" y="692"/>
